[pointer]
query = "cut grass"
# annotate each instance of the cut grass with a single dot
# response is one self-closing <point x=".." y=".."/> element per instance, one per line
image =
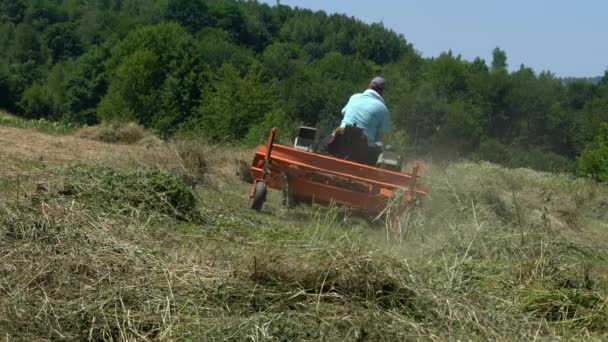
<point x="115" y="132"/>
<point x="95" y="253"/>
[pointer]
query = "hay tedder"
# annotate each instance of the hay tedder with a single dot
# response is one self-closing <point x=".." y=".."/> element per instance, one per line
<point x="306" y="176"/>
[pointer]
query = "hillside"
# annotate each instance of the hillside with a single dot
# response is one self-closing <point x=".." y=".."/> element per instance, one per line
<point x="154" y="241"/>
<point x="229" y="69"/>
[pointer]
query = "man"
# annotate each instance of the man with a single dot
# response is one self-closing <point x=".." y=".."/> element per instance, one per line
<point x="368" y="112"/>
<point x="364" y="127"/>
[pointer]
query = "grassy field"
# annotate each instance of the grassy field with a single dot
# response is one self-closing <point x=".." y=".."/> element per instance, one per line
<point x="155" y="241"/>
<point x="41" y="125"/>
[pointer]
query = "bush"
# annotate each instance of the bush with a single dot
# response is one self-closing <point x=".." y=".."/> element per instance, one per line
<point x="36" y="101"/>
<point x="235" y="105"/>
<point x="594" y="161"/>
<point x="495" y="152"/>
<point x="399" y="140"/>
<point x="258" y="133"/>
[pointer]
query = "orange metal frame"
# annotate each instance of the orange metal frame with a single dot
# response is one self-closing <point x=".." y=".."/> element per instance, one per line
<point x="323" y="179"/>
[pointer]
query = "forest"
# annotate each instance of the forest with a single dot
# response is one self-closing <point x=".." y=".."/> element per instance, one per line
<point x="228" y="70"/>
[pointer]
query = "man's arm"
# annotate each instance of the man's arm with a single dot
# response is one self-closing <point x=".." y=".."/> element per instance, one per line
<point x="384" y="128"/>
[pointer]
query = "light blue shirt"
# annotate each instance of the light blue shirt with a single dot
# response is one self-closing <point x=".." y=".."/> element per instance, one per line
<point x="369" y="112"/>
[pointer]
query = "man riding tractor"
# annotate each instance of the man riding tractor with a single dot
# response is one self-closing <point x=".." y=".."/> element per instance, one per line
<point x="362" y="133"/>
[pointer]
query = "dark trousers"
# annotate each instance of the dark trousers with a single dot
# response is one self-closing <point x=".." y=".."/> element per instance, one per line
<point x="350" y="143"/>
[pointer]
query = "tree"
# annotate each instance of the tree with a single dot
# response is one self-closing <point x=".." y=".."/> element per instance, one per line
<point x="27" y="45"/>
<point x="278" y="60"/>
<point x="499" y="59"/>
<point x="336" y="66"/>
<point x="63" y="42"/>
<point x="594" y="161"/>
<point x="579" y="93"/>
<point x="234" y="104"/>
<point x="604" y="79"/>
<point x="461" y="127"/>
<point x="447" y="73"/>
<point x="131" y="94"/>
<point x="42" y="14"/>
<point x="191" y="14"/>
<point x="5" y="86"/>
<point x="380" y="45"/>
<point x="261" y="25"/>
<point x="229" y="16"/>
<point x="12" y="10"/>
<point x="155" y="75"/>
<point x="86" y="86"/>
<point x="218" y="47"/>
<point x="36" y="101"/>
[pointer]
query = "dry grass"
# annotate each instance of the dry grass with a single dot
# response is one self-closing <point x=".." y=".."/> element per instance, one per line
<point x="25" y="151"/>
<point x="115" y="132"/>
<point x="96" y="251"/>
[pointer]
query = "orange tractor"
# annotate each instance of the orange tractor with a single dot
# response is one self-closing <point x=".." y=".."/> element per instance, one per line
<point x="306" y="176"/>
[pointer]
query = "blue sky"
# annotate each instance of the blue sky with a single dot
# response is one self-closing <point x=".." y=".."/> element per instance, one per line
<point x="568" y="38"/>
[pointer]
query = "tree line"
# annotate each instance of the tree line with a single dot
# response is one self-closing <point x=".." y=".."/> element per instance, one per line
<point x="228" y="70"/>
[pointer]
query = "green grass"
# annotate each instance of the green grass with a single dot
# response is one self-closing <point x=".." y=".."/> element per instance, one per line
<point x="41" y="125"/>
<point x="491" y="254"/>
<point x="7" y="183"/>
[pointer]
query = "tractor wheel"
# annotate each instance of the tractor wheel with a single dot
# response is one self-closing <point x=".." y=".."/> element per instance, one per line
<point x="259" y="196"/>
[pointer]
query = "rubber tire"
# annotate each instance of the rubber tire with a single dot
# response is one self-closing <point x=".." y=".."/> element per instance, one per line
<point x="259" y="196"/>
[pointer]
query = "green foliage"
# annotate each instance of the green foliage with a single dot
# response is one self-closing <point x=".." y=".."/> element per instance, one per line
<point x="258" y="132"/>
<point x="499" y="59"/>
<point x="159" y="63"/>
<point x="604" y="79"/>
<point x="12" y="10"/>
<point x="37" y="101"/>
<point x="85" y="87"/>
<point x="228" y="16"/>
<point x="63" y="41"/>
<point x="218" y="47"/>
<point x="130" y="89"/>
<point x="5" y="86"/>
<point x="155" y="75"/>
<point x="191" y="14"/>
<point x="399" y="139"/>
<point x="27" y="45"/>
<point x="47" y="100"/>
<point x="335" y="66"/>
<point x="279" y="59"/>
<point x="461" y="125"/>
<point x="380" y="45"/>
<point x="593" y="161"/>
<point x="496" y="152"/>
<point x="42" y="125"/>
<point x="42" y="14"/>
<point x="235" y="103"/>
<point x="447" y="74"/>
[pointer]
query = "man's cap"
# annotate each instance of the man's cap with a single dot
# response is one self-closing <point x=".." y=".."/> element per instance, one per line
<point x="377" y="83"/>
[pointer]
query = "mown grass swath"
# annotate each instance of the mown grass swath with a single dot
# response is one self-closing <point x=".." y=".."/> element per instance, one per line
<point x="109" y="251"/>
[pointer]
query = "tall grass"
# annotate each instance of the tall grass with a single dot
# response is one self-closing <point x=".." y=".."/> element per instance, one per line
<point x="98" y="252"/>
<point x="42" y="125"/>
